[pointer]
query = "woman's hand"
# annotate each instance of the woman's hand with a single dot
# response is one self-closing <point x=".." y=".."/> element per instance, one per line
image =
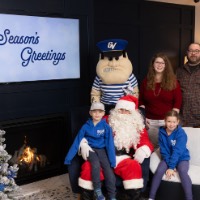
<point x="147" y="124"/>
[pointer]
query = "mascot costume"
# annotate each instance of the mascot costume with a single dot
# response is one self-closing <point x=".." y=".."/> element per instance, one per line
<point x="114" y="74"/>
<point x="132" y="146"/>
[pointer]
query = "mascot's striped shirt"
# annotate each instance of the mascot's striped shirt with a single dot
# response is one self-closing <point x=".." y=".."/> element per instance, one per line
<point x="110" y="93"/>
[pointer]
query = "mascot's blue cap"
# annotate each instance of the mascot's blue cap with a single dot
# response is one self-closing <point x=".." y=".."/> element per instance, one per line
<point x="112" y="45"/>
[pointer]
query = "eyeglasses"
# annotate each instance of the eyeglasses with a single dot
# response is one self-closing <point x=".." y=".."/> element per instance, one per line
<point x="160" y="63"/>
<point x="196" y="51"/>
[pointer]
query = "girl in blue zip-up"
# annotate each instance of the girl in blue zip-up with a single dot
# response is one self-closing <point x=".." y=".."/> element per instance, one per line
<point x="102" y="152"/>
<point x="175" y="155"/>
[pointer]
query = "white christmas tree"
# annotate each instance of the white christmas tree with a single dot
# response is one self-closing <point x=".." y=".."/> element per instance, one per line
<point x="8" y="173"/>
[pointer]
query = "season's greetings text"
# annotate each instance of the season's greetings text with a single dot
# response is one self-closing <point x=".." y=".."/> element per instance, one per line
<point x="28" y="54"/>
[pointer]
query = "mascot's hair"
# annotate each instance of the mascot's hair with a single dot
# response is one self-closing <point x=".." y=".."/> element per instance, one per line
<point x="112" y="54"/>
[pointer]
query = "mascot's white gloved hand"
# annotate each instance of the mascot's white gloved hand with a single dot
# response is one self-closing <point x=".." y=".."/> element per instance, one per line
<point x="140" y="155"/>
<point x="84" y="149"/>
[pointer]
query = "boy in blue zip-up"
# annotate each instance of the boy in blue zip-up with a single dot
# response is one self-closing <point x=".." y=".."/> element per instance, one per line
<point x="175" y="155"/>
<point x="102" y="153"/>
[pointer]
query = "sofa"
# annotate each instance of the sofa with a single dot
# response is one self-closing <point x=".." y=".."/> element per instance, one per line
<point x="172" y="189"/>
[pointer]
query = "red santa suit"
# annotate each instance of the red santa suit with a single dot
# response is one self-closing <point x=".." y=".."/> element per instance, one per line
<point x="131" y="142"/>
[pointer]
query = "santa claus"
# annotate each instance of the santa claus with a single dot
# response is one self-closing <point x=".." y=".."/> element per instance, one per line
<point x="132" y="147"/>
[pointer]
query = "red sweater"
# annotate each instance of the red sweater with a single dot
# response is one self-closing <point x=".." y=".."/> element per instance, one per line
<point x="159" y="102"/>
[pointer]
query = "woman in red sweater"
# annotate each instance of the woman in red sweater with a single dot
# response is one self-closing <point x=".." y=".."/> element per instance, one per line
<point x="159" y="93"/>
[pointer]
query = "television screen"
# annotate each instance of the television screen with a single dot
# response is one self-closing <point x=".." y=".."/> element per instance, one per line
<point x="38" y="48"/>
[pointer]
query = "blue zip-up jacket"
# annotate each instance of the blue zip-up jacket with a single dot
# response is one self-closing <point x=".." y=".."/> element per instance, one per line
<point x="173" y="147"/>
<point x="98" y="136"/>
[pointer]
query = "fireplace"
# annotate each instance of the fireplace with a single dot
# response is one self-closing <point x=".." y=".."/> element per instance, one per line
<point x="43" y="139"/>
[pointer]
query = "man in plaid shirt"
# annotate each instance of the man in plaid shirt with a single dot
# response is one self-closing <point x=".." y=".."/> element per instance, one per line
<point x="189" y="78"/>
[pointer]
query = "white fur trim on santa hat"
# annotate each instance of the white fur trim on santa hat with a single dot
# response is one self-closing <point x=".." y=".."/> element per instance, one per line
<point x="133" y="183"/>
<point x="86" y="184"/>
<point x="124" y="104"/>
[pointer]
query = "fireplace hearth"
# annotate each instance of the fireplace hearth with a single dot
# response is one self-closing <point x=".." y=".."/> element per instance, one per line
<point x="37" y="146"/>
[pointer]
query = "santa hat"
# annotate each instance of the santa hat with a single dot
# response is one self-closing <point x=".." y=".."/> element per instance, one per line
<point x="128" y="102"/>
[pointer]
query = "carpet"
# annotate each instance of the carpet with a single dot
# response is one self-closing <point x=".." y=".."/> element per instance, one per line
<point x="55" y="188"/>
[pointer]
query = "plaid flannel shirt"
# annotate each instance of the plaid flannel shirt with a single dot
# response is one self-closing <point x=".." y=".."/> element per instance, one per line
<point x="190" y="86"/>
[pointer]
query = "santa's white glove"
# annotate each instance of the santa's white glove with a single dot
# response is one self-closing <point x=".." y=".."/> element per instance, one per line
<point x="84" y="149"/>
<point x="140" y="155"/>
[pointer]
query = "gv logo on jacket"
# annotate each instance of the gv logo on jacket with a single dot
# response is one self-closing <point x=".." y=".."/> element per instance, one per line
<point x="100" y="132"/>
<point x="173" y="142"/>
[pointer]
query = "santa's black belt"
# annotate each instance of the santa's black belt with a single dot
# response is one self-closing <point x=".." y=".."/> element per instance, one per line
<point x="121" y="152"/>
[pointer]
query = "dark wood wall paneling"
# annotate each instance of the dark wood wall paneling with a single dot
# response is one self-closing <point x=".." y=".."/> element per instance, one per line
<point x="32" y="99"/>
<point x="149" y="27"/>
<point x="42" y="99"/>
<point x="118" y="19"/>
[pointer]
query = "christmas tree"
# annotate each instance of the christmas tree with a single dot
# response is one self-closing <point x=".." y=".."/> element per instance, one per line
<point x="7" y="172"/>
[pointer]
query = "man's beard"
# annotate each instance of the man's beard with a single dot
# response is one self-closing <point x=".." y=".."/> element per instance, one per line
<point x="193" y="60"/>
<point x="127" y="129"/>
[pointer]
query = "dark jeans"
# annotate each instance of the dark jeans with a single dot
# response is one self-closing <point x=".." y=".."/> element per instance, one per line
<point x="182" y="169"/>
<point x="98" y="160"/>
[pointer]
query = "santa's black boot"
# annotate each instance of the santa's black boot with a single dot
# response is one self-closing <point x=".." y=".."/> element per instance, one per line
<point x="86" y="194"/>
<point x="134" y="194"/>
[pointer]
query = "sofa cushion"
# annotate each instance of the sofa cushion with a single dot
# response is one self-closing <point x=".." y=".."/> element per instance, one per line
<point x="193" y="144"/>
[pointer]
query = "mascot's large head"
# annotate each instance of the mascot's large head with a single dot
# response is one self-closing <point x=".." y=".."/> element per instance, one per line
<point x="114" y="66"/>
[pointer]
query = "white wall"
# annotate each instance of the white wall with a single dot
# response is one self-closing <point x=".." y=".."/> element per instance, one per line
<point x="197" y="14"/>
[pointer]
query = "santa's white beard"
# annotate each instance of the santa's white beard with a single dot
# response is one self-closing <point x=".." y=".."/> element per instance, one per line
<point x="127" y="129"/>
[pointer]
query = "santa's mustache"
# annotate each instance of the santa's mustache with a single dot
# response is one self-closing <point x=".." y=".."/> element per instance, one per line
<point x="134" y="120"/>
